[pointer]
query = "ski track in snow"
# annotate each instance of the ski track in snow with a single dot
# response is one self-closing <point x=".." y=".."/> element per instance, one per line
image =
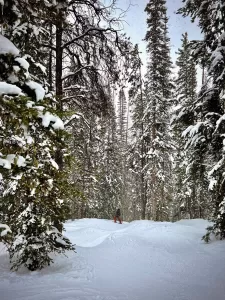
<point x="141" y="260"/>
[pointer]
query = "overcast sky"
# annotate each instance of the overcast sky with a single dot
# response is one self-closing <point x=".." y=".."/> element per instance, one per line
<point x="136" y="24"/>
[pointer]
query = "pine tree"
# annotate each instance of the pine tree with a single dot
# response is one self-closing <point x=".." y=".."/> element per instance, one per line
<point x="122" y="116"/>
<point x="34" y="195"/>
<point x="189" y="194"/>
<point x="109" y="191"/>
<point x="137" y="155"/>
<point x="158" y="92"/>
<point x="208" y="131"/>
<point x="122" y="121"/>
<point x="26" y="21"/>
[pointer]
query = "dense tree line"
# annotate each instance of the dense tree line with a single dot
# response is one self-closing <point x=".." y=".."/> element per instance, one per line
<point x="176" y="157"/>
<point x="59" y="70"/>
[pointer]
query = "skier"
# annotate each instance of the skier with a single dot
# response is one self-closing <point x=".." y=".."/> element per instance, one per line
<point x="117" y="216"/>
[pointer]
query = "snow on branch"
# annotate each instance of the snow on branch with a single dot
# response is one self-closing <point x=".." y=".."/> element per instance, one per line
<point x="10" y="159"/>
<point x="219" y="121"/>
<point x="9" y="89"/>
<point x="192" y="129"/>
<point x="76" y="116"/>
<point x="76" y="72"/>
<point x="48" y="118"/>
<point x="7" y="47"/>
<point x="4" y="229"/>
<point x="38" y="89"/>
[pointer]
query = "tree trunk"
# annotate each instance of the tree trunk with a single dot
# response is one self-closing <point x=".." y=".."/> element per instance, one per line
<point x="153" y="179"/>
<point x="59" y="57"/>
<point x="50" y="79"/>
<point x="143" y="159"/>
<point x="58" y="82"/>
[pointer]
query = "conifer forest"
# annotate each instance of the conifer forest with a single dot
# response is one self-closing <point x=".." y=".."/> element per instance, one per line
<point x="85" y="129"/>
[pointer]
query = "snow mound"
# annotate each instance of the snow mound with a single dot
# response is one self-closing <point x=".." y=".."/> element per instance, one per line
<point x="6" y="46"/>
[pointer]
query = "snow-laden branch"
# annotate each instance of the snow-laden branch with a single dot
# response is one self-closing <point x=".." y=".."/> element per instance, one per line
<point x="4" y="230"/>
<point x="75" y="117"/>
<point x="76" y="72"/>
<point x="48" y="46"/>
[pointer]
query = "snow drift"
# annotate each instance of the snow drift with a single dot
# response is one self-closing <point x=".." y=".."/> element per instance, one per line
<point x="140" y="260"/>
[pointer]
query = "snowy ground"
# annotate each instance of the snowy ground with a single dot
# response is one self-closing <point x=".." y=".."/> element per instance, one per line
<point x="141" y="260"/>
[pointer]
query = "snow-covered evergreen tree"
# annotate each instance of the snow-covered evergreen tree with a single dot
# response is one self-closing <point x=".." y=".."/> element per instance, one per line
<point x="190" y="197"/>
<point x="122" y="124"/>
<point x="27" y="25"/>
<point x="158" y="92"/>
<point x="33" y="200"/>
<point x="122" y="116"/>
<point x="137" y="160"/>
<point x="109" y="188"/>
<point x="207" y="134"/>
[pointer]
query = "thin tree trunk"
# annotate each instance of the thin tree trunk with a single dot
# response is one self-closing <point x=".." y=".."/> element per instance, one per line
<point x="143" y="189"/>
<point x="50" y="79"/>
<point x="59" y="57"/>
<point x="203" y="74"/>
<point x="59" y="86"/>
<point x="153" y="179"/>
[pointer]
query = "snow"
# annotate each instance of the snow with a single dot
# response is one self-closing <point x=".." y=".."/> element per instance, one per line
<point x="186" y="131"/>
<point x="9" y="89"/>
<point x="54" y="164"/>
<point x="219" y="121"/>
<point x="42" y="68"/>
<point x="23" y="63"/>
<point x="5" y="163"/>
<point x="140" y="260"/>
<point x="74" y="116"/>
<point x="7" y="47"/>
<point x="218" y="165"/>
<point x="30" y="104"/>
<point x="212" y="183"/>
<point x="216" y="58"/>
<point x="195" y="129"/>
<point x="47" y="118"/>
<point x="10" y="159"/>
<point x="61" y="241"/>
<point x="21" y="162"/>
<point x="12" y="77"/>
<point x="39" y="91"/>
<point x="5" y="230"/>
